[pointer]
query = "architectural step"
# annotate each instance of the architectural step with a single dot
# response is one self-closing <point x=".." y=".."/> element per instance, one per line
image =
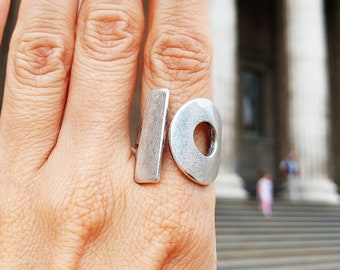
<point x="278" y="204"/>
<point x="283" y="210"/>
<point x="280" y="212"/>
<point x="227" y="214"/>
<point x="296" y="237"/>
<point x="275" y="263"/>
<point x="264" y="244"/>
<point x="277" y="223"/>
<point x="276" y="238"/>
<point x="283" y="230"/>
<point x="315" y="266"/>
<point x="293" y="251"/>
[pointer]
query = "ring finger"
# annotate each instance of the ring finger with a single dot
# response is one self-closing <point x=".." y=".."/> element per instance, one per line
<point x="178" y="56"/>
<point x="178" y="53"/>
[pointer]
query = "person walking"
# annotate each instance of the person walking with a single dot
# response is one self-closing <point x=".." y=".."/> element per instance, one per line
<point x="264" y="190"/>
<point x="290" y="168"/>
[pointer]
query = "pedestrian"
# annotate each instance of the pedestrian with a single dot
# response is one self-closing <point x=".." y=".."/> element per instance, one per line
<point x="290" y="168"/>
<point x="264" y="190"/>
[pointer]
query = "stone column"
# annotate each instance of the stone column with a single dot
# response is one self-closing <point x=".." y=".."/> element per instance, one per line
<point x="333" y="22"/>
<point x="223" y="24"/>
<point x="308" y="92"/>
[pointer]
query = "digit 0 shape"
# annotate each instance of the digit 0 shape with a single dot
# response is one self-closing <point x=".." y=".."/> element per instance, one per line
<point x="199" y="167"/>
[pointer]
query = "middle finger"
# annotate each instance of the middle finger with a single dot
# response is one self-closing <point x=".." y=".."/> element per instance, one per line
<point x="109" y="36"/>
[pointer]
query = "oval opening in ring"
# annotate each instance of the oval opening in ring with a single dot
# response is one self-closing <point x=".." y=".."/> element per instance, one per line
<point x="205" y="138"/>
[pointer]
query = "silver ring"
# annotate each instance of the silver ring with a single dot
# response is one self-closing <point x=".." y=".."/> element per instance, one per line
<point x="199" y="167"/>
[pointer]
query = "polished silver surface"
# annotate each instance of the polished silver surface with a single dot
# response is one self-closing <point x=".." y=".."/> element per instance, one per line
<point x="198" y="167"/>
<point x="152" y="135"/>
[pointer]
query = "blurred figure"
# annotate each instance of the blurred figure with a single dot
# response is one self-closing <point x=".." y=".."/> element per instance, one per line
<point x="264" y="190"/>
<point x="290" y="168"/>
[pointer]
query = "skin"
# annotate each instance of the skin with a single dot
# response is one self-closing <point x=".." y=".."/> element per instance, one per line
<point x="68" y="199"/>
<point x="4" y="8"/>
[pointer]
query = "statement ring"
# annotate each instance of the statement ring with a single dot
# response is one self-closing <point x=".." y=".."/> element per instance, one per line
<point x="200" y="168"/>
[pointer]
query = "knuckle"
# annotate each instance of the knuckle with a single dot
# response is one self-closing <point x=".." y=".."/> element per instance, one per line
<point x="108" y="34"/>
<point x="167" y="218"/>
<point x="87" y="204"/>
<point x="181" y="216"/>
<point x="179" y="57"/>
<point x="82" y="209"/>
<point x="40" y="59"/>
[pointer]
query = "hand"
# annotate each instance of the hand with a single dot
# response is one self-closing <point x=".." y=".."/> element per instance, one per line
<point x="68" y="199"/>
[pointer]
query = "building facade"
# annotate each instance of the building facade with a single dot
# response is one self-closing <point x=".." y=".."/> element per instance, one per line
<point x="277" y="85"/>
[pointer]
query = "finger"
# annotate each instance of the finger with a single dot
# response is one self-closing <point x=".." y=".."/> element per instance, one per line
<point x="37" y="77"/>
<point x="4" y="8"/>
<point x="178" y="54"/>
<point x="104" y="71"/>
<point x="178" y="50"/>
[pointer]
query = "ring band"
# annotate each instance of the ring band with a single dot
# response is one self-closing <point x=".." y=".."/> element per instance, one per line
<point x="199" y="167"/>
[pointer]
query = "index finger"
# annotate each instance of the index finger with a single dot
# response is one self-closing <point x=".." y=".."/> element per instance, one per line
<point x="4" y="8"/>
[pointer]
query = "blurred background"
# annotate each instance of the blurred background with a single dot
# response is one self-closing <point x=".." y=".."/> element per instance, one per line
<point x="276" y="81"/>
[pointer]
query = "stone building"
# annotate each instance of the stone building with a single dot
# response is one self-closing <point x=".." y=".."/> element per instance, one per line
<point x="277" y="85"/>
